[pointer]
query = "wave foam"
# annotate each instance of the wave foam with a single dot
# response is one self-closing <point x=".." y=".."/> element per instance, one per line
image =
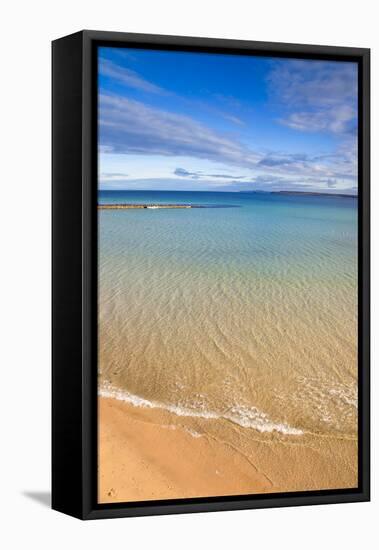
<point x="246" y="417"/>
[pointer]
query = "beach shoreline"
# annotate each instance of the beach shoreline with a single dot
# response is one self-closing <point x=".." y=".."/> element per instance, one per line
<point x="144" y="455"/>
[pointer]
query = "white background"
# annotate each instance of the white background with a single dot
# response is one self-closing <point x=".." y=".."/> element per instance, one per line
<point x="26" y="31"/>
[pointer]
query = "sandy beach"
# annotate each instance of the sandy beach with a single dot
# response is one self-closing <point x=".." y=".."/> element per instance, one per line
<point x="143" y="456"/>
<point x="227" y="333"/>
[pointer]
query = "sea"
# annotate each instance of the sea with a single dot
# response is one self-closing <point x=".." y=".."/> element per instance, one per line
<point x="242" y="311"/>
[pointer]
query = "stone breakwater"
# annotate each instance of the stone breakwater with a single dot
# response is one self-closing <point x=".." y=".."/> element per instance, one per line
<point x="152" y="206"/>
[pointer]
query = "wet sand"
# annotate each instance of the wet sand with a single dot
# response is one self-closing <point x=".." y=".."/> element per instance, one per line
<point x="144" y="456"/>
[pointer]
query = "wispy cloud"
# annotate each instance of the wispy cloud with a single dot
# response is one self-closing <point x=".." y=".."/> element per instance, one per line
<point x="129" y="126"/>
<point x="318" y="96"/>
<point x="225" y="176"/>
<point x="131" y="79"/>
<point x="331" y="184"/>
<point x="278" y="159"/>
<point x="339" y="120"/>
<point x="111" y="176"/>
<point x="234" y="119"/>
<point x="199" y="174"/>
<point x="127" y="77"/>
<point x="182" y="172"/>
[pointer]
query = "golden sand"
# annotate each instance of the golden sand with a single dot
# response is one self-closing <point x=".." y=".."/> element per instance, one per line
<point x="142" y="456"/>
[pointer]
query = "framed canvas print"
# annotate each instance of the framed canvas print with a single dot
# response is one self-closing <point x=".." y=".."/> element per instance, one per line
<point x="210" y="274"/>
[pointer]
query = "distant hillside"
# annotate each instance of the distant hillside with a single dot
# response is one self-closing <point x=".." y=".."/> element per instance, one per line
<point x="306" y="193"/>
<point x="315" y="193"/>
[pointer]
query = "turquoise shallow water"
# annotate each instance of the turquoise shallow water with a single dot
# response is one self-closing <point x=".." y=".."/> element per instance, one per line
<point x="244" y="310"/>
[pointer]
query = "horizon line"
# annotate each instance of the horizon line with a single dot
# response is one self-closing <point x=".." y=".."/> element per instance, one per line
<point x="257" y="191"/>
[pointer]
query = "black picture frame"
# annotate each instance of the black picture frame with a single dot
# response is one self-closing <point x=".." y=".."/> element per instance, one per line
<point x="74" y="272"/>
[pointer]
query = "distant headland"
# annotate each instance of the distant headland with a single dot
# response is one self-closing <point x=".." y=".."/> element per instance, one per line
<point x="315" y="194"/>
<point x="304" y="193"/>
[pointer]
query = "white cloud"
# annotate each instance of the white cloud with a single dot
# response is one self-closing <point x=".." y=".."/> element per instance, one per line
<point x="318" y="96"/>
<point x="127" y="77"/>
<point x="337" y="120"/>
<point x="130" y="127"/>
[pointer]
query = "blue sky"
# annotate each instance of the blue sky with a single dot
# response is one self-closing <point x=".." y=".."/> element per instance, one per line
<point x="191" y="121"/>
